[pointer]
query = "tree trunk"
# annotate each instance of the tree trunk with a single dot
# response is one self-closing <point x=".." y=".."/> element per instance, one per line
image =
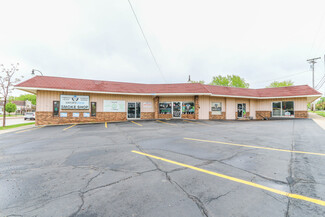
<point x="4" y="112"/>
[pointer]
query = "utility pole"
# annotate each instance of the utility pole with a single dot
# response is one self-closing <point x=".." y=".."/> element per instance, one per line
<point x="312" y="66"/>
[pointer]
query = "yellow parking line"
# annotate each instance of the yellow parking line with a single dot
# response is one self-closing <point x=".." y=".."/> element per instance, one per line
<point x="296" y="196"/>
<point x="196" y="122"/>
<point x="70" y="127"/>
<point x="166" y="123"/>
<point x="252" y="146"/>
<point x="105" y="124"/>
<point x="29" y="129"/>
<point x="136" y="123"/>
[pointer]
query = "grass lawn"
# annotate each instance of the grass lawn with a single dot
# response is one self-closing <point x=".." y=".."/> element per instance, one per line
<point x="1" y="116"/>
<point x="321" y="113"/>
<point x="16" y="125"/>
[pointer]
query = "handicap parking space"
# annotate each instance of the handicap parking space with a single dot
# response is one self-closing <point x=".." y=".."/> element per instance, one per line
<point x="165" y="168"/>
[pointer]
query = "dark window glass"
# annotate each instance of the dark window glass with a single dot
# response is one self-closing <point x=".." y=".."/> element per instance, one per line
<point x="138" y="110"/>
<point x="165" y="108"/>
<point x="93" y="109"/>
<point x="188" y="108"/>
<point x="56" y="106"/>
<point x="287" y="108"/>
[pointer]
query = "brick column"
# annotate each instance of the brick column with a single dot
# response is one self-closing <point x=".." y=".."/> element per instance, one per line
<point x="156" y="106"/>
<point x="197" y="107"/>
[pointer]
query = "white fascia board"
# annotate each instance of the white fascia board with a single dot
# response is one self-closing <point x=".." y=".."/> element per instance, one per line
<point x="160" y="94"/>
<point x="102" y="92"/>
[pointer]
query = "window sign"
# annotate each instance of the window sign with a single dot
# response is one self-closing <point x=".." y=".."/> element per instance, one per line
<point x="216" y="108"/>
<point x="74" y="102"/>
<point x="188" y="108"/>
<point x="147" y="105"/>
<point x="75" y="114"/>
<point x="114" y="106"/>
<point x="86" y="114"/>
<point x="165" y="108"/>
<point x="63" y="114"/>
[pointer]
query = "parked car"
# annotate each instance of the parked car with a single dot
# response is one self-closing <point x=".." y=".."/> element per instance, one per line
<point x="29" y="115"/>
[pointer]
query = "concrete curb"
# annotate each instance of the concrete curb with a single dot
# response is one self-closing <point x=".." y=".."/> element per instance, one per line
<point x="16" y="129"/>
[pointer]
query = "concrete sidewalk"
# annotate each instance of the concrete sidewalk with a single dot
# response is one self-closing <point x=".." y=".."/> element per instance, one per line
<point x="16" y="129"/>
<point x="318" y="119"/>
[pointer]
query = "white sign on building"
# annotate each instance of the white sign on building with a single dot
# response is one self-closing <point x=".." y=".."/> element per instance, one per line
<point x="114" y="106"/>
<point x="74" y="102"/>
<point x="147" y="105"/>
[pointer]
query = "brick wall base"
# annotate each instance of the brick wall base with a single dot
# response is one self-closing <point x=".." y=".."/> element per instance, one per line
<point x="46" y="118"/>
<point x="147" y="115"/>
<point x="188" y="116"/>
<point x="217" y="117"/>
<point x="164" y="116"/>
<point x="301" y="114"/>
<point x="261" y="114"/>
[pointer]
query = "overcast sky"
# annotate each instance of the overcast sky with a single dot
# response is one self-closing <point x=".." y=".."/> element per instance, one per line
<point x="258" y="40"/>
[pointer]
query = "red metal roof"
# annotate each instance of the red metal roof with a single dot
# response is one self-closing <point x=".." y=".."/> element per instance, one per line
<point x="60" y="83"/>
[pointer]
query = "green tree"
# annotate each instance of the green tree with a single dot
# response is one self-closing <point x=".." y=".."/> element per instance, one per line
<point x="280" y="84"/>
<point x="11" y="107"/>
<point x="24" y="97"/>
<point x="229" y="81"/>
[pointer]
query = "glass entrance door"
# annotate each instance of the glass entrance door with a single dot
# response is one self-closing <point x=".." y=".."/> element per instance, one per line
<point x="134" y="110"/>
<point x="241" y="110"/>
<point x="177" y="109"/>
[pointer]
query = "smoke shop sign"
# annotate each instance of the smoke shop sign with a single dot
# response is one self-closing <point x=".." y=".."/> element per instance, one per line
<point x="74" y="102"/>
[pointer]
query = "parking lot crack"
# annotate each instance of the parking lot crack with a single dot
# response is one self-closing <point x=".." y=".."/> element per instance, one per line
<point x="195" y="199"/>
<point x="290" y="171"/>
<point x="216" y="198"/>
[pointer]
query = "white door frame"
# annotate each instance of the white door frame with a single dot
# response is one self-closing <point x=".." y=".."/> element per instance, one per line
<point x="181" y="104"/>
<point x="135" y="110"/>
<point x="242" y="106"/>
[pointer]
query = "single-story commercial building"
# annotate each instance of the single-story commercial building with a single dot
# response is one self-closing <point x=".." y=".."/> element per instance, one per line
<point x="69" y="100"/>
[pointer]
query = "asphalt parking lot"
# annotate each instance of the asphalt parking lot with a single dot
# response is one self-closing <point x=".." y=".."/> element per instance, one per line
<point x="168" y="168"/>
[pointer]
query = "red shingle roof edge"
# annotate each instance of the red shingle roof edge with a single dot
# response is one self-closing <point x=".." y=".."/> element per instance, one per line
<point x="73" y="84"/>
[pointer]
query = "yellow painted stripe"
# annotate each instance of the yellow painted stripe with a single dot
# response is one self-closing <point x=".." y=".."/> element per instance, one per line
<point x="296" y="196"/>
<point x="166" y="123"/>
<point x="70" y="127"/>
<point x="196" y="122"/>
<point x="136" y="123"/>
<point x="105" y="124"/>
<point x="253" y="146"/>
<point x="29" y="129"/>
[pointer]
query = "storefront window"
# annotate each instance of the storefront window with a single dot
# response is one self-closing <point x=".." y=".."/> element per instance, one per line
<point x="93" y="109"/>
<point x="188" y="108"/>
<point x="216" y="108"/>
<point x="56" y="106"/>
<point x="165" y="108"/>
<point x="287" y="108"/>
<point x="283" y="109"/>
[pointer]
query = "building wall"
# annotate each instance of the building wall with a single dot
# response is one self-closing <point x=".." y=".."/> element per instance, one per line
<point x="255" y="108"/>
<point x="204" y="104"/>
<point x="230" y="108"/>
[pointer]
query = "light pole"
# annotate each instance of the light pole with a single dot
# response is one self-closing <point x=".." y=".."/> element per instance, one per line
<point x="33" y="71"/>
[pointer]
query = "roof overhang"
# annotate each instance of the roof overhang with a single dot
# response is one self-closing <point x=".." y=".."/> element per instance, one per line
<point x="310" y="98"/>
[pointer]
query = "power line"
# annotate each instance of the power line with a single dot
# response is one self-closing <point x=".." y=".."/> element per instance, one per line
<point x="280" y="77"/>
<point x="145" y="38"/>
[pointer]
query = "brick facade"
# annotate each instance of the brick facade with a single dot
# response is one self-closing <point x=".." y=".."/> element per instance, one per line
<point x="188" y="116"/>
<point x="147" y="115"/>
<point x="164" y="116"/>
<point x="156" y="107"/>
<point x="301" y="114"/>
<point x="46" y="118"/>
<point x="260" y="115"/>
<point x="217" y="117"/>
<point x="197" y="107"/>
